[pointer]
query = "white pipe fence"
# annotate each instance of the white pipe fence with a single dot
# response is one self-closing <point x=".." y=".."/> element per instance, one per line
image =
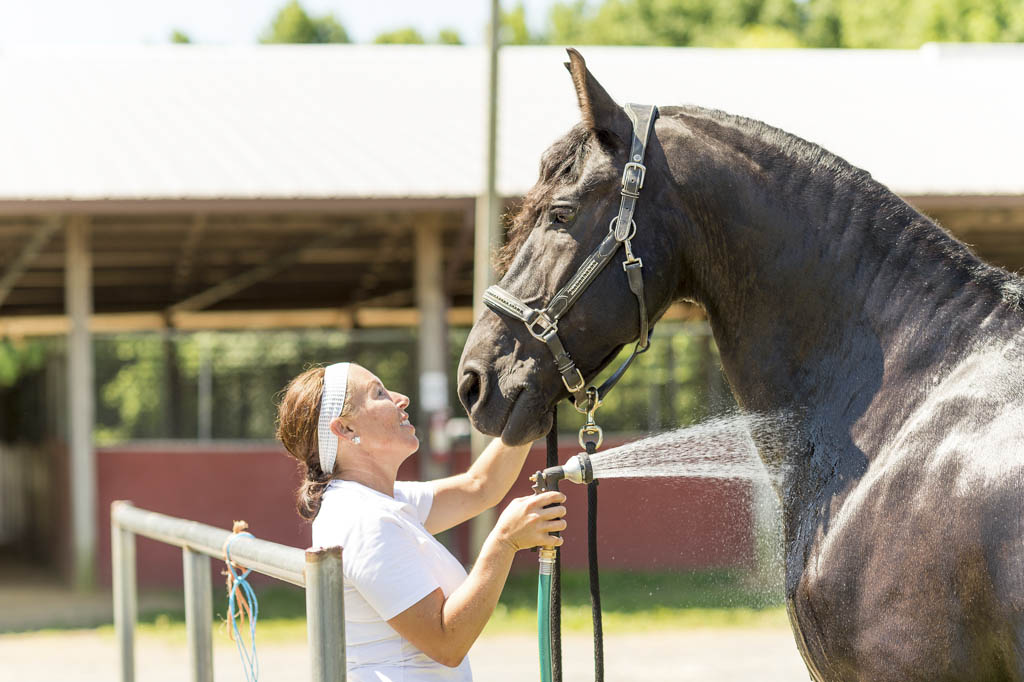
<point x="317" y="570"/>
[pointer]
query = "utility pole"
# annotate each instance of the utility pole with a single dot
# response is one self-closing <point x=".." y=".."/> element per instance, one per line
<point x="487" y="237"/>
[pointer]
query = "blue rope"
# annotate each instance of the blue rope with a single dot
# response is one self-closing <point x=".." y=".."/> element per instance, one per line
<point x="250" y="664"/>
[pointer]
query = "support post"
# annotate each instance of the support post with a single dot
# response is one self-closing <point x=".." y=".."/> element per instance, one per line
<point x="81" y="408"/>
<point x="325" y="614"/>
<point x="198" y="615"/>
<point x="432" y="350"/>
<point x="204" y="419"/>
<point x="487" y="238"/>
<point x="122" y="556"/>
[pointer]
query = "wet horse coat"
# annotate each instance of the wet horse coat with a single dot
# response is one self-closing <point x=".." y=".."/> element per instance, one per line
<point x="899" y="353"/>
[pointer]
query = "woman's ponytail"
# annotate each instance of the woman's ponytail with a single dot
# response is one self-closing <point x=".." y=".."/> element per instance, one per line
<point x="298" y="415"/>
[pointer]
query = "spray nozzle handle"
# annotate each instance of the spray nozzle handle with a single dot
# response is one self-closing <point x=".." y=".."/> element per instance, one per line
<point x="547" y="479"/>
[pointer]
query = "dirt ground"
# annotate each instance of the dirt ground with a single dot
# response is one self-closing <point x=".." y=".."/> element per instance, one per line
<point x="723" y="655"/>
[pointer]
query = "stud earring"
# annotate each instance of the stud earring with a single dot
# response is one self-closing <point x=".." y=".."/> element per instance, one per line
<point x="355" y="440"/>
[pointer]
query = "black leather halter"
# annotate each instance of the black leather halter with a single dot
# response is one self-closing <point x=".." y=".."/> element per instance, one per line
<point x="543" y="324"/>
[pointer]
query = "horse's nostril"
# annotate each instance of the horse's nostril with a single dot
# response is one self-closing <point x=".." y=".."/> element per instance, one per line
<point x="470" y="389"/>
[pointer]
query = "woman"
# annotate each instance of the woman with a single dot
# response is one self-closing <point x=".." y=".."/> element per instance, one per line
<point x="411" y="611"/>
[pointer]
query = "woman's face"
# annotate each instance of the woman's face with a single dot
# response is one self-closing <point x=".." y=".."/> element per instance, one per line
<point x="379" y="418"/>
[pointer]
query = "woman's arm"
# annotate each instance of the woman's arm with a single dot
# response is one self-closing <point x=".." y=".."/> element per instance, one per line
<point x="463" y="496"/>
<point x="445" y="629"/>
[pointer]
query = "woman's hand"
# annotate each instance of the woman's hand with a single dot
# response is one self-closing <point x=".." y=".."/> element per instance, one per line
<point x="526" y="523"/>
<point x="445" y="628"/>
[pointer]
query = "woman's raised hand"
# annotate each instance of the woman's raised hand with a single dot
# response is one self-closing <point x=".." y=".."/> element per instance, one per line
<point x="526" y="523"/>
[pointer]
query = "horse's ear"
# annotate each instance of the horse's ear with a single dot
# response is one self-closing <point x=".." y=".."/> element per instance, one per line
<point x="600" y="112"/>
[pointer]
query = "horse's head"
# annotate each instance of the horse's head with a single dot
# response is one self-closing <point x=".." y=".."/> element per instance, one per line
<point x="508" y="381"/>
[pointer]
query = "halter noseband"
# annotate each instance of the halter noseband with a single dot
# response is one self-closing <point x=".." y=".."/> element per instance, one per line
<point x="543" y="324"/>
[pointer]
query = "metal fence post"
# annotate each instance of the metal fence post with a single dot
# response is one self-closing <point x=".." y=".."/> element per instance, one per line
<point x="198" y="615"/>
<point x="325" y="614"/>
<point x="122" y="554"/>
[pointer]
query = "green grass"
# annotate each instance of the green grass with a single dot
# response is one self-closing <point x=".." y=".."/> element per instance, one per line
<point x="631" y="601"/>
<point x="644" y="601"/>
<point x="630" y="592"/>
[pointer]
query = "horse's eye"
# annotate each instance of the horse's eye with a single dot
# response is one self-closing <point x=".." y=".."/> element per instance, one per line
<point x="563" y="214"/>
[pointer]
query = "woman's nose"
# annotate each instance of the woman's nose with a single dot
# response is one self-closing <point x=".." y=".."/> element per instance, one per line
<point x="401" y="400"/>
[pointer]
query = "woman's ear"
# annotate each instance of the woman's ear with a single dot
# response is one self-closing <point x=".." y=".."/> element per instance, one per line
<point x="340" y="430"/>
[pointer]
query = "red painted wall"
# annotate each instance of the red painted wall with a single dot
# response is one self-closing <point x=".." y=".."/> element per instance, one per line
<point x="650" y="524"/>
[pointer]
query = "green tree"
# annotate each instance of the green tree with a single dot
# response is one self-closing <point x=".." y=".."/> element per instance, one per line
<point x="19" y="357"/>
<point x="294" y="25"/>
<point x="823" y="26"/>
<point x="712" y="23"/>
<point x="911" y="23"/>
<point x="400" y="36"/>
<point x="514" y="29"/>
<point x="784" y="23"/>
<point x="179" y="37"/>
<point x="449" y="36"/>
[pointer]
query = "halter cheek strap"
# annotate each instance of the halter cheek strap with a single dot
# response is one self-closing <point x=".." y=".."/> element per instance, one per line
<point x="543" y="324"/>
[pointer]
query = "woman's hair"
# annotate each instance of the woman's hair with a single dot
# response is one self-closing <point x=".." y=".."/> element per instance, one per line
<point x="298" y="415"/>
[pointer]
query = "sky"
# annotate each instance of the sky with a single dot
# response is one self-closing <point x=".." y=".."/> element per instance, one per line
<point x="230" y="22"/>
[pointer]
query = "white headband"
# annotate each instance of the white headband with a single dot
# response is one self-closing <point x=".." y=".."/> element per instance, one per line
<point x="331" y="405"/>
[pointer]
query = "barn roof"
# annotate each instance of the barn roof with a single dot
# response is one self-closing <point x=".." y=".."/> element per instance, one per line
<point x="343" y="122"/>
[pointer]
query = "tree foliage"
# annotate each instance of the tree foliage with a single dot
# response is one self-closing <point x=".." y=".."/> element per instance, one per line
<point x="19" y="357"/>
<point x="294" y="25"/>
<point x="406" y="35"/>
<point x="514" y="30"/>
<point x="449" y="36"/>
<point x="710" y="23"/>
<point x="781" y="23"/>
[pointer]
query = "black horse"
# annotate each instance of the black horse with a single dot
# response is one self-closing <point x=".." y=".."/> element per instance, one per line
<point x="832" y="299"/>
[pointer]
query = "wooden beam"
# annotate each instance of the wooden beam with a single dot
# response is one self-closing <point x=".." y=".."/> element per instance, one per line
<point x="186" y="259"/>
<point x="329" y="206"/>
<point x="233" y="285"/>
<point x="941" y="202"/>
<point x="222" y="255"/>
<point x="22" y="326"/>
<point x="373" y="270"/>
<point x="28" y="254"/>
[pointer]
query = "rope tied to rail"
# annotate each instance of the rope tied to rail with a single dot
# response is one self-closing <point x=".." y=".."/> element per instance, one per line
<point x="242" y="604"/>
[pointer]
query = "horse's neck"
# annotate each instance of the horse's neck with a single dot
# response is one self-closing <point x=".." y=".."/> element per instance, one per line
<point x="834" y="292"/>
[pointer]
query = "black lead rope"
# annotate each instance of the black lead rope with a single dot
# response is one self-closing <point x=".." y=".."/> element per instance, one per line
<point x="595" y="583"/>
<point x="556" y="577"/>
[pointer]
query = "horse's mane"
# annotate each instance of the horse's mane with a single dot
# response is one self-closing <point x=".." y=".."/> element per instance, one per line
<point x="564" y="160"/>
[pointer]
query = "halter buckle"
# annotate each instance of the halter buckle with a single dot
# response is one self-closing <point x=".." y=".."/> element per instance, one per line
<point x="641" y="173"/>
<point x="541" y="326"/>
<point x="579" y="384"/>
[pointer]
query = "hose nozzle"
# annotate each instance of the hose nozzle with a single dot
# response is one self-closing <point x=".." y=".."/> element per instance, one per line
<point x="578" y="470"/>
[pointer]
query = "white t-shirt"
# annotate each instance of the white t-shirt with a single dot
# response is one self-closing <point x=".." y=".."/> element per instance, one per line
<point x="390" y="563"/>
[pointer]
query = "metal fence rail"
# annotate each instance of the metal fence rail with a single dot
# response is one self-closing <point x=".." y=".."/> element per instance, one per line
<point x="318" y="571"/>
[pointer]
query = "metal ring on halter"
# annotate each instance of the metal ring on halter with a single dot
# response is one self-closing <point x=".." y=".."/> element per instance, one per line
<point x="632" y="227"/>
<point x="591" y="430"/>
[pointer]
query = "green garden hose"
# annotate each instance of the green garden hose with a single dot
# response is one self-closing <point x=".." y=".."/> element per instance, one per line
<point x="544" y="617"/>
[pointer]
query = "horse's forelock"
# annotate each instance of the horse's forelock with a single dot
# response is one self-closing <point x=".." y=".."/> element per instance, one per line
<point x="562" y="163"/>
